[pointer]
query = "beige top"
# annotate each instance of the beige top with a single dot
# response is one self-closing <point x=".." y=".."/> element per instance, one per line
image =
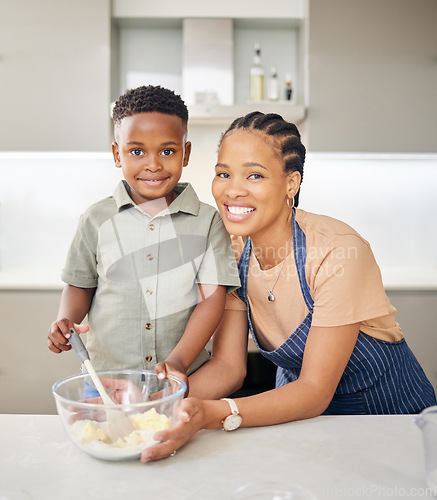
<point x="343" y="277"/>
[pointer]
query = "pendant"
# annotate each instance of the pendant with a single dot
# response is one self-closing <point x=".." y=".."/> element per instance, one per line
<point x="271" y="297"/>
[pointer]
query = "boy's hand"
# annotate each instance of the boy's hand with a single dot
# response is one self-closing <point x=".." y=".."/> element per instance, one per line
<point x="59" y="333"/>
<point x="164" y="369"/>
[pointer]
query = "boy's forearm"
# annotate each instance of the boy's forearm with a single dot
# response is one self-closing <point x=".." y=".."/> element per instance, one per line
<point x="200" y="327"/>
<point x="75" y="303"/>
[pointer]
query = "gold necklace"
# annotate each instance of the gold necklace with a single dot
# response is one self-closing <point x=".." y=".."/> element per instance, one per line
<point x="270" y="296"/>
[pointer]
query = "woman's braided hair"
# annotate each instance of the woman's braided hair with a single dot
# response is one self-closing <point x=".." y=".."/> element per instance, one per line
<point x="287" y="139"/>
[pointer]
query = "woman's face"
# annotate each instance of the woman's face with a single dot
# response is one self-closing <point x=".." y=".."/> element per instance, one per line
<point x="250" y="186"/>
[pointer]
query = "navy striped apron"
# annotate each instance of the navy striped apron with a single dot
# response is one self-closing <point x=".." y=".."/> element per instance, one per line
<point x="380" y="378"/>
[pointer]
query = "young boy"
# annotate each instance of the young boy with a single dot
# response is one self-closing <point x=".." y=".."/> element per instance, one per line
<point x="150" y="265"/>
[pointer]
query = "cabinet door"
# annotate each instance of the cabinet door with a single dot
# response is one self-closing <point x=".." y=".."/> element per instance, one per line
<point x="55" y="75"/>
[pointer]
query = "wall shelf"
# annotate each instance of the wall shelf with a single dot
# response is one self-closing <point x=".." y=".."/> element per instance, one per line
<point x="139" y="9"/>
<point x="203" y="114"/>
<point x="148" y="49"/>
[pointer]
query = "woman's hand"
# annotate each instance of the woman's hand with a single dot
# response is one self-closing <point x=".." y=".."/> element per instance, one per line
<point x="190" y="420"/>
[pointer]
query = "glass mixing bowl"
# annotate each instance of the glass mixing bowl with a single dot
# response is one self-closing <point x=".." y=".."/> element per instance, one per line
<point x="149" y="403"/>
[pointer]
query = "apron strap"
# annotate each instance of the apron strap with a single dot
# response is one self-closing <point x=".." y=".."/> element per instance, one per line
<point x="300" y="255"/>
<point x="243" y="268"/>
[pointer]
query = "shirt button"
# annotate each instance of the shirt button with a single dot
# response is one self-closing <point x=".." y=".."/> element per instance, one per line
<point x="149" y="291"/>
<point x="148" y="358"/>
<point x="148" y="326"/>
<point x="152" y="227"/>
<point x="150" y="257"/>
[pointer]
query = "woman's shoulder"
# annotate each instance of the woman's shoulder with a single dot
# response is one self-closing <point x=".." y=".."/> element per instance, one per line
<point x="324" y="228"/>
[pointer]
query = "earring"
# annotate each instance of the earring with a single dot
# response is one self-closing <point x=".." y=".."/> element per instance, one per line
<point x="290" y="202"/>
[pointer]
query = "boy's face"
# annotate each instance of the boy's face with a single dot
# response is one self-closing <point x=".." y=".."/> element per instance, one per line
<point x="151" y="150"/>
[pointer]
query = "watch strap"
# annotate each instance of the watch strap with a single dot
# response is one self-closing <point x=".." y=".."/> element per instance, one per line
<point x="232" y="404"/>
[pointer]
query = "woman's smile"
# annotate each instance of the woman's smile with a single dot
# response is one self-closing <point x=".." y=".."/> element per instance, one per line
<point x="235" y="212"/>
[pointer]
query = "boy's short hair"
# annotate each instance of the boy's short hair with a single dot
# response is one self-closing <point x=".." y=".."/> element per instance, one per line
<point x="149" y="98"/>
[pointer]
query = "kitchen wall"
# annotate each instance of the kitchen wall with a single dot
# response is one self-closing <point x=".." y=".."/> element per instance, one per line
<point x="372" y="73"/>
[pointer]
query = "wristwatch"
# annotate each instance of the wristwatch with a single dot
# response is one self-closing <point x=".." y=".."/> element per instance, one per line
<point x="234" y="420"/>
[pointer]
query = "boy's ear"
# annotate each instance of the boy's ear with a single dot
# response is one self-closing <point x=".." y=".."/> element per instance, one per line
<point x="116" y="154"/>
<point x="187" y="153"/>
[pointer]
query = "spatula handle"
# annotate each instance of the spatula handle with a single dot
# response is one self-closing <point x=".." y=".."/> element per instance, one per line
<point x="78" y="345"/>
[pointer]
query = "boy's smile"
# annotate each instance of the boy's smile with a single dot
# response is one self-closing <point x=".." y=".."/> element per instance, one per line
<point x="151" y="150"/>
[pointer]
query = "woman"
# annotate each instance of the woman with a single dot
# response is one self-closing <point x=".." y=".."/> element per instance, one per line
<point x="311" y="294"/>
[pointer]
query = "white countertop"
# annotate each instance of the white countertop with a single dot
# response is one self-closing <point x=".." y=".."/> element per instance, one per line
<point x="335" y="457"/>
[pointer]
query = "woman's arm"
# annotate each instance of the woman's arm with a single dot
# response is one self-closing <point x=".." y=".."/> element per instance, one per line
<point x="327" y="353"/>
<point x="224" y="373"/>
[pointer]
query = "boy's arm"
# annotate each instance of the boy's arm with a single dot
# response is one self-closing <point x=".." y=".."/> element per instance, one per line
<point x="74" y="306"/>
<point x="200" y="327"/>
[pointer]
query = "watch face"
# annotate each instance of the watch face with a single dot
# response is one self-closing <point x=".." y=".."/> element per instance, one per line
<point x="232" y="422"/>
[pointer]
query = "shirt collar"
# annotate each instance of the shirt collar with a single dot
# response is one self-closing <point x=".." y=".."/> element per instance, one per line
<point x="121" y="195"/>
<point x="186" y="201"/>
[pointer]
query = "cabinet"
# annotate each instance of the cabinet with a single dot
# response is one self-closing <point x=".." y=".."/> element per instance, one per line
<point x="54" y="75"/>
<point x="148" y="48"/>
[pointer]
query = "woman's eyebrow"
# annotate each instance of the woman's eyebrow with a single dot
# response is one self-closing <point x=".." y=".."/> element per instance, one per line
<point x="253" y="164"/>
<point x="248" y="164"/>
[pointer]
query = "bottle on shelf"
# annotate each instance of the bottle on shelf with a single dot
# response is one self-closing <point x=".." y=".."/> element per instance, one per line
<point x="256" y="91"/>
<point x="288" y="87"/>
<point x="273" y="91"/>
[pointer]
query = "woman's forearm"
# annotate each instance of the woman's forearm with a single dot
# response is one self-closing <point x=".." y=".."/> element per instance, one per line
<point x="216" y="379"/>
<point x="224" y="373"/>
<point x="295" y="401"/>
